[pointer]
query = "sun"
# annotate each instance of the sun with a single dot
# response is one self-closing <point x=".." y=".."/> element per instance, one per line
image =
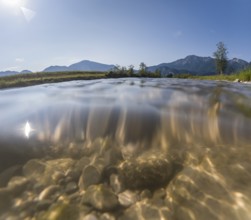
<point x="17" y="7"/>
<point x="13" y="3"/>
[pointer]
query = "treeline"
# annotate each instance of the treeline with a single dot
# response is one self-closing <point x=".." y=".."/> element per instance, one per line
<point x="122" y="71"/>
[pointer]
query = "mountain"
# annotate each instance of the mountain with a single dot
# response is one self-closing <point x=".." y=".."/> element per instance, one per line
<point x="198" y="65"/>
<point x="236" y="65"/>
<point x="11" y="73"/>
<point x="25" y="71"/>
<point x="56" y="69"/>
<point x="8" y="73"/>
<point x="85" y="65"/>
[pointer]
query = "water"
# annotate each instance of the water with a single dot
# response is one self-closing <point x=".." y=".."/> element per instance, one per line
<point x="203" y="127"/>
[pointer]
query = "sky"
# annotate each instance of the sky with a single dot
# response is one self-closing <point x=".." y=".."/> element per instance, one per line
<point x="35" y="34"/>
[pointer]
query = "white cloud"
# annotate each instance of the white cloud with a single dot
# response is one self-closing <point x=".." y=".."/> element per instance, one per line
<point x="19" y="60"/>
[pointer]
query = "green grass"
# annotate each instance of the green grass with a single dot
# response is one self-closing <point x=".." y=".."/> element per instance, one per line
<point x="244" y="75"/>
<point x="44" y="77"/>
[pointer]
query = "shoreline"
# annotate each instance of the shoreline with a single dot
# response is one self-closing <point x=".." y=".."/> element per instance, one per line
<point x="31" y="79"/>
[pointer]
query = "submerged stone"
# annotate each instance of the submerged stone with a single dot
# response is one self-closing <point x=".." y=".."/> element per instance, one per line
<point x="127" y="198"/>
<point x="146" y="171"/>
<point x="18" y="184"/>
<point x="90" y="175"/>
<point x="48" y="172"/>
<point x="7" y="174"/>
<point x="101" y="198"/>
<point x="34" y="168"/>
<point x="61" y="211"/>
<point x="50" y="192"/>
<point x="141" y="211"/>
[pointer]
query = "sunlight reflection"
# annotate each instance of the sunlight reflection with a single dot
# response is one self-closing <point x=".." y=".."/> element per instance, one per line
<point x="27" y="129"/>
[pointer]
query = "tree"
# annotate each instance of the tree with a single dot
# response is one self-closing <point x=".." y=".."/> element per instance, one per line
<point x="220" y="56"/>
<point x="130" y="70"/>
<point x="142" y="68"/>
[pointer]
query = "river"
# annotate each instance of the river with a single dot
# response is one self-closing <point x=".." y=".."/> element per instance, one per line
<point x="150" y="148"/>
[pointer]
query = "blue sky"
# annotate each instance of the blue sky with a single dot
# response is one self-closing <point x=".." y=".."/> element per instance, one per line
<point x="35" y="34"/>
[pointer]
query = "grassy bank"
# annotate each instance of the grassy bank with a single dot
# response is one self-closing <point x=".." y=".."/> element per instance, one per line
<point x="244" y="75"/>
<point x="28" y="79"/>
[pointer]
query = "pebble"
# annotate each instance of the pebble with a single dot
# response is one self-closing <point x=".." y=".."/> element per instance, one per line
<point x="7" y="174"/>
<point x="90" y="217"/>
<point x="115" y="183"/>
<point x="51" y="192"/>
<point x="101" y="198"/>
<point x="237" y="80"/>
<point x="127" y="198"/>
<point x="107" y="216"/>
<point x="141" y="210"/>
<point x="61" y="211"/>
<point x="57" y="177"/>
<point x="34" y="169"/>
<point x="71" y="187"/>
<point x="18" y="184"/>
<point x="43" y="205"/>
<point x="90" y="175"/>
<point x="145" y="194"/>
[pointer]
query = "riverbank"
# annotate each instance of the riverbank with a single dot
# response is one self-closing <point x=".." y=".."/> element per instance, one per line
<point x="243" y="76"/>
<point x="29" y="79"/>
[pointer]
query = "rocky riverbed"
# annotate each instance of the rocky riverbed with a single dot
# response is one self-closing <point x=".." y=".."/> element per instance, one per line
<point x="101" y="182"/>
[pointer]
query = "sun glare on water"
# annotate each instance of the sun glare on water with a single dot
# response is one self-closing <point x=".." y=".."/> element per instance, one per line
<point x="27" y="129"/>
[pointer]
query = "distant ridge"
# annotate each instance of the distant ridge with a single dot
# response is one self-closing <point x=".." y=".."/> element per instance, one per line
<point x="198" y="65"/>
<point x="85" y="65"/>
<point x="11" y="73"/>
<point x="191" y="64"/>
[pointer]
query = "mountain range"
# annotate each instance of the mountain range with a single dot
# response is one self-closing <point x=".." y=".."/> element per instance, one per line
<point x="198" y="65"/>
<point x="190" y="64"/>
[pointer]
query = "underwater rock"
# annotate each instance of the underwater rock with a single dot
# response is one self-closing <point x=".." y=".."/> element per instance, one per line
<point x="115" y="183"/>
<point x="101" y="198"/>
<point x="127" y="198"/>
<point x="18" y="184"/>
<point x="81" y="164"/>
<point x="90" y="175"/>
<point x="48" y="172"/>
<point x="145" y="194"/>
<point x="61" y="211"/>
<point x="90" y="217"/>
<point x="51" y="192"/>
<point x="71" y="187"/>
<point x="107" y="216"/>
<point x="34" y="169"/>
<point x="43" y="205"/>
<point x="7" y="174"/>
<point x="147" y="171"/>
<point x="141" y="211"/>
